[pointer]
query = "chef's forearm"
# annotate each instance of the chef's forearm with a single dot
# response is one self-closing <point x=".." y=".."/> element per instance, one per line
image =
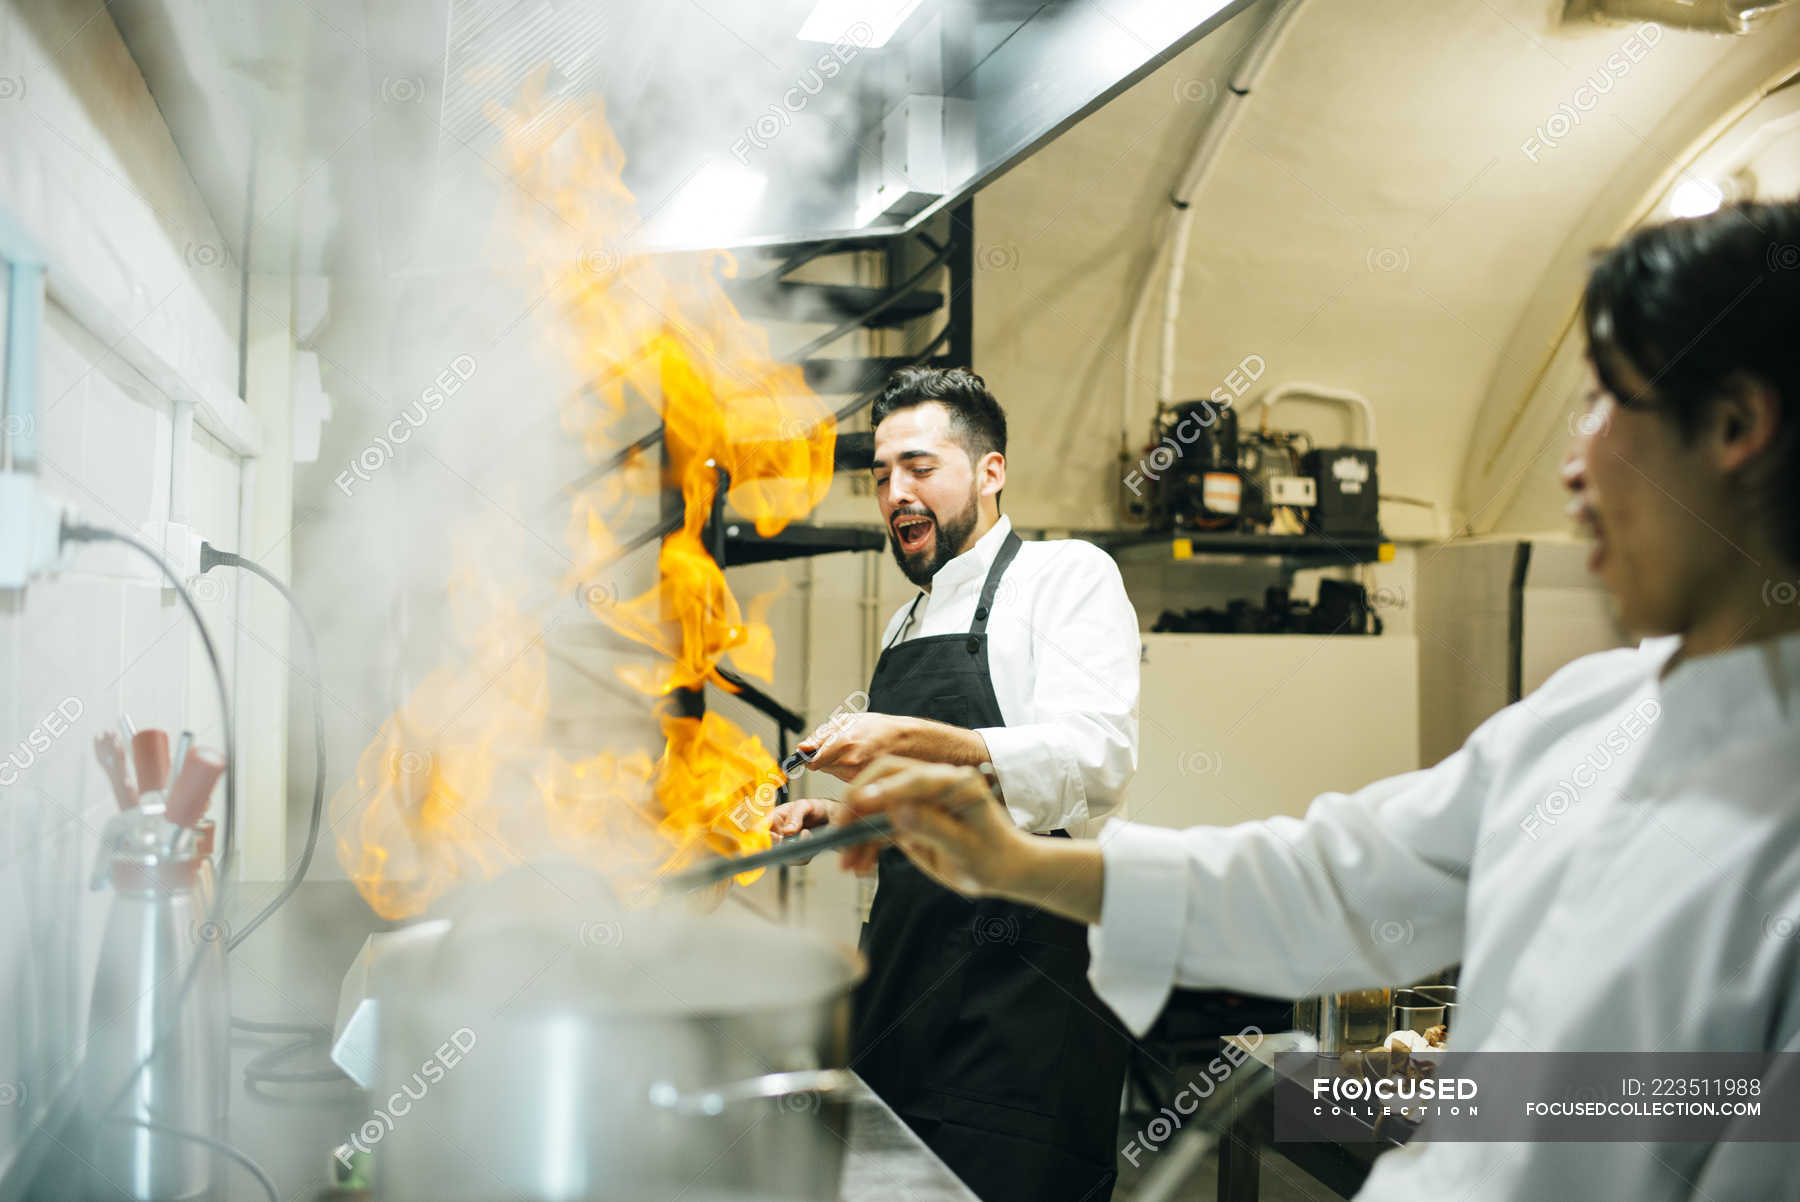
<point x="941" y="743"/>
<point x="1063" y="876"/>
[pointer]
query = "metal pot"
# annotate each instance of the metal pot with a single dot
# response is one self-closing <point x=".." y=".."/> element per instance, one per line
<point x="555" y="1057"/>
<point x="156" y="1054"/>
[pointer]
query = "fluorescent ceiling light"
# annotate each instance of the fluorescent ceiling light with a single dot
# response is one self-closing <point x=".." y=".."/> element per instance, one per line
<point x="714" y="207"/>
<point x="1695" y="198"/>
<point x="865" y="23"/>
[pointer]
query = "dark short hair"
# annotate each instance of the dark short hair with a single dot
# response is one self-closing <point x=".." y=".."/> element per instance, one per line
<point x="1687" y="305"/>
<point x="977" y="421"/>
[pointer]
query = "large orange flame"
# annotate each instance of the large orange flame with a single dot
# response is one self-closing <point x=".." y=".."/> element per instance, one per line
<point x="642" y="330"/>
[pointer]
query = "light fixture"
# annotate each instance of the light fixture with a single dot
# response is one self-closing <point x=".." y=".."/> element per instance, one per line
<point x="713" y="208"/>
<point x="1694" y="197"/>
<point x="864" y="23"/>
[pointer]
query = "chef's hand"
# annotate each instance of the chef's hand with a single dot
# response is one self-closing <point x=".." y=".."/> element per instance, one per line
<point x="947" y="821"/>
<point x="788" y="820"/>
<point x="792" y="818"/>
<point x="950" y="824"/>
<point x="803" y="814"/>
<point x="847" y="745"/>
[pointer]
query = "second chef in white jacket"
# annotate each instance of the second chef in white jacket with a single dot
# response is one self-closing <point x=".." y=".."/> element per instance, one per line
<point x="1615" y="860"/>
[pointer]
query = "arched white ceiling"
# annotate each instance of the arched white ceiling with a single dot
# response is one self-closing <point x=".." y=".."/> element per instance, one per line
<point x="1510" y="478"/>
<point x="1403" y="210"/>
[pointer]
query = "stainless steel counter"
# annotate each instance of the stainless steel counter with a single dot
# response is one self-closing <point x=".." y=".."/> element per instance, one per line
<point x="888" y="1163"/>
<point x="289" y="972"/>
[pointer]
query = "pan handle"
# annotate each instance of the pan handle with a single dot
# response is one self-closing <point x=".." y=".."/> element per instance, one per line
<point x="769" y="1085"/>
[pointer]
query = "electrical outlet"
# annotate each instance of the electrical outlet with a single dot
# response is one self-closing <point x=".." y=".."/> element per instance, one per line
<point x="30" y="529"/>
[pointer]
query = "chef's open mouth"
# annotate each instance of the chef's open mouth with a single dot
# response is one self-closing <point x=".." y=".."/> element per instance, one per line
<point x="913" y="532"/>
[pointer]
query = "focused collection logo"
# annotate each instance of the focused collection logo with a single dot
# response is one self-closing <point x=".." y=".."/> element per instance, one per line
<point x="1416" y="1097"/>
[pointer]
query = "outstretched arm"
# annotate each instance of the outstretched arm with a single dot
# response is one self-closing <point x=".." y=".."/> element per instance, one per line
<point x="1367" y="887"/>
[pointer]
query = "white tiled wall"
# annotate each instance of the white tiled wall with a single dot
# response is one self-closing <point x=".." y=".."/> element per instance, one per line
<point x="95" y="641"/>
<point x="89" y="171"/>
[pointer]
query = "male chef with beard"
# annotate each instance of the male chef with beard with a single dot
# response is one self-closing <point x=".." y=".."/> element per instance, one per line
<point x="976" y="1022"/>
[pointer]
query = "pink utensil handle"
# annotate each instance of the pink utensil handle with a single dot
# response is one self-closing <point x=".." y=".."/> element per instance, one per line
<point x="200" y="771"/>
<point x="150" y="755"/>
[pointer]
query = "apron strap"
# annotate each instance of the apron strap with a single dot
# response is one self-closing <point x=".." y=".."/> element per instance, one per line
<point x="985" y="605"/>
<point x="907" y="624"/>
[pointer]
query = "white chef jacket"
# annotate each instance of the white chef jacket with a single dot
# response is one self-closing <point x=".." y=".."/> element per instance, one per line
<point x="1063" y="653"/>
<point x="1615" y="860"/>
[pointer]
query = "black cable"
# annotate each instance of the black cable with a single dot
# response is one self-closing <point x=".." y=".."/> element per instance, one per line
<point x="81" y="533"/>
<point x="211" y="557"/>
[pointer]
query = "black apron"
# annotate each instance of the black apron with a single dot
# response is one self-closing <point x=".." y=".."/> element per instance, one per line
<point x="976" y="1022"/>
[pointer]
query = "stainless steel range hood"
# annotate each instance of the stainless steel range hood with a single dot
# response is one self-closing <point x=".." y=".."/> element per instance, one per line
<point x="737" y="131"/>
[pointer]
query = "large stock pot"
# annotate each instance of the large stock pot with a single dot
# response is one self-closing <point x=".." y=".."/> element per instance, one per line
<point x="545" y="1048"/>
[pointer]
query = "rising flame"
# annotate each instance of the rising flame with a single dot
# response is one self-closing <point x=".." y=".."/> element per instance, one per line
<point x="432" y="789"/>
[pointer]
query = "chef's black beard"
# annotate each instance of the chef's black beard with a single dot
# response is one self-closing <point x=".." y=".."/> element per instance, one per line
<point x="951" y="535"/>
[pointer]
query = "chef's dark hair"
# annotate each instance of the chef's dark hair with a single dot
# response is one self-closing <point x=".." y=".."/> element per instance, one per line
<point x="977" y="421"/>
<point x="1690" y="304"/>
